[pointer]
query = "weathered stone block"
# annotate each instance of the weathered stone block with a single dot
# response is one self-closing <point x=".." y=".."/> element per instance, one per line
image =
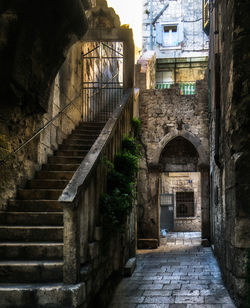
<point x="129" y="267"/>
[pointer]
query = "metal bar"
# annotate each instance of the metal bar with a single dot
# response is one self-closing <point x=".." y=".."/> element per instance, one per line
<point x="105" y="57"/>
<point x="90" y="82"/>
<point x="160" y="13"/>
<point x="84" y="55"/>
<point x="151" y="25"/>
<point x="112" y="49"/>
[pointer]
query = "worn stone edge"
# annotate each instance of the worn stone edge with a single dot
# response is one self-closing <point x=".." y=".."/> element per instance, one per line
<point x="84" y="170"/>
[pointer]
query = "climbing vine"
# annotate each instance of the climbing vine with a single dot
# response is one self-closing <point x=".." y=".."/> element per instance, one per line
<point x="117" y="202"/>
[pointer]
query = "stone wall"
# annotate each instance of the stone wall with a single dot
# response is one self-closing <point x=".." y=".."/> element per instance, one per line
<point x="19" y="123"/>
<point x="32" y="51"/>
<point x="230" y="145"/>
<point x="165" y="114"/>
<point x="66" y="88"/>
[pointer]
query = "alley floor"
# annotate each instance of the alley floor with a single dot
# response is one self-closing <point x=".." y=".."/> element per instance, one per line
<point x="179" y="274"/>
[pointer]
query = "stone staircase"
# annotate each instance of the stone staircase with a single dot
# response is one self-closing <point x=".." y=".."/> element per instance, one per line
<point x="31" y="229"/>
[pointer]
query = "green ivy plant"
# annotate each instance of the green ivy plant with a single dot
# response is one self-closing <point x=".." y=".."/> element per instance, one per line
<point x="136" y="125"/>
<point x="117" y="203"/>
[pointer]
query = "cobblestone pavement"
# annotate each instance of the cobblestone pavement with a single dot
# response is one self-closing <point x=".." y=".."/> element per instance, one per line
<point x="179" y="274"/>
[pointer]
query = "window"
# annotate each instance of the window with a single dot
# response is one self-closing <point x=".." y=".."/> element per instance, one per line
<point x="185" y="204"/>
<point x="170" y="36"/>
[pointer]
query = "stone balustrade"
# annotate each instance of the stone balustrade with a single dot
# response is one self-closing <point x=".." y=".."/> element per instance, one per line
<point x="80" y="201"/>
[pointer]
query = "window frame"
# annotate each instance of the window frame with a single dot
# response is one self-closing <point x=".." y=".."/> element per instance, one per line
<point x="160" y="34"/>
<point x="180" y="202"/>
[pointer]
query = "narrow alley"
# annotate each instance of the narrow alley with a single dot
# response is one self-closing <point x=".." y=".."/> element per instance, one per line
<point x="179" y="274"/>
<point x="124" y="154"/>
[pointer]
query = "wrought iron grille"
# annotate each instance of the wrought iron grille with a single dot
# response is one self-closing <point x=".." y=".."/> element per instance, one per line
<point x="167" y="199"/>
<point x="185" y="204"/>
<point x="102" y="80"/>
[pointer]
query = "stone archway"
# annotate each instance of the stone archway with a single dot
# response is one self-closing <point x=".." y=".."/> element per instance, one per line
<point x="203" y="155"/>
<point x="202" y="167"/>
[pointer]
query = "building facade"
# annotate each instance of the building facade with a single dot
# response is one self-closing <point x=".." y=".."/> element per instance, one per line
<point x="173" y="188"/>
<point x="174" y="29"/>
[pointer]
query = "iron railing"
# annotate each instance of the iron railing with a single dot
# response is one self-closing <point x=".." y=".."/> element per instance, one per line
<point x="186" y="88"/>
<point x="101" y="90"/>
<point x="102" y="80"/>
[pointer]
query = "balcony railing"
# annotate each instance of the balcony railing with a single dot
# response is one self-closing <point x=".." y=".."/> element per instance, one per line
<point x="186" y="88"/>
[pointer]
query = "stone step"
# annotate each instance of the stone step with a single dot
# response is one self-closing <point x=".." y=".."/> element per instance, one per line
<point x="31" y="251"/>
<point x="36" y="194"/>
<point x="73" y="147"/>
<point x="31" y="219"/>
<point x="92" y="124"/>
<point x="47" y="183"/>
<point x="30" y="271"/>
<point x="34" y="206"/>
<point x="77" y="141"/>
<point x="59" y="175"/>
<point x="31" y="233"/>
<point x="56" y="295"/>
<point x="84" y="136"/>
<point x="65" y="159"/>
<point x="66" y="152"/>
<point x="60" y="167"/>
<point x="91" y="130"/>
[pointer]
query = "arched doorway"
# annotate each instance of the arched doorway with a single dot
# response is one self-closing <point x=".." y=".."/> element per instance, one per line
<point x="184" y="185"/>
<point x="180" y="195"/>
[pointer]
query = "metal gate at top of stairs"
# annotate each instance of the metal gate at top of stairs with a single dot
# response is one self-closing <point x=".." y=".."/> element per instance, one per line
<point x="102" y="80"/>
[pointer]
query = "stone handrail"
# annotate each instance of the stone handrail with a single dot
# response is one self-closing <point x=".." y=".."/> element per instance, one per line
<point x="80" y="198"/>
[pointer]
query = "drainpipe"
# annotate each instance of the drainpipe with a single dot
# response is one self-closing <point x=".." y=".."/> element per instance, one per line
<point x="151" y="25"/>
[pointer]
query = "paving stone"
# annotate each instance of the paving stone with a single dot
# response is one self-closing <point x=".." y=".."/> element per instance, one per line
<point x="152" y="306"/>
<point x="122" y="305"/>
<point x="174" y="276"/>
<point x="205" y="306"/>
<point x="172" y="286"/>
<point x="189" y="299"/>
<point x="186" y="292"/>
<point x="159" y="299"/>
<point x="151" y="286"/>
<point x="218" y="300"/>
<point x="157" y="293"/>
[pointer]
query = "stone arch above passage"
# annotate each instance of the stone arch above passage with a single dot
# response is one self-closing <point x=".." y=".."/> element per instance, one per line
<point x="203" y="155"/>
